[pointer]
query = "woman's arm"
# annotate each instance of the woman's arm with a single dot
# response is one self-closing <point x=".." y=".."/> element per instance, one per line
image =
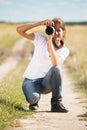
<point x="22" y="29"/>
<point x="56" y="60"/>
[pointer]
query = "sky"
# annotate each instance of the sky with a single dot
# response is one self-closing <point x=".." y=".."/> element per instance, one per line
<point x="36" y="10"/>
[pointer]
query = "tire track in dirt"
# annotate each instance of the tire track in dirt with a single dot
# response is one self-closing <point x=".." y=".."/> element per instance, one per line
<point x="11" y="62"/>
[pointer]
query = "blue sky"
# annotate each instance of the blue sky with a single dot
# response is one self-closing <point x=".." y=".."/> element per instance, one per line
<point x="35" y="10"/>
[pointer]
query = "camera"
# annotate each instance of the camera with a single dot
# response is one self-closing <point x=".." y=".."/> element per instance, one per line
<point x="49" y="30"/>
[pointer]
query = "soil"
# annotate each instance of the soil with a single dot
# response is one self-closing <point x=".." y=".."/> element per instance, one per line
<point x="43" y="119"/>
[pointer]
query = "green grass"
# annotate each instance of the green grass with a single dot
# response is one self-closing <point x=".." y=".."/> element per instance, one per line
<point x="83" y="116"/>
<point x="12" y="99"/>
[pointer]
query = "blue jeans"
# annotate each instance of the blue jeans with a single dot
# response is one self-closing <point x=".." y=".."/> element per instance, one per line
<point x="52" y="82"/>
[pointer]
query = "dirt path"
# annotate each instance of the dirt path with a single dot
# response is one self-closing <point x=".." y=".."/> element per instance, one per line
<point x="45" y="120"/>
<point x="11" y="62"/>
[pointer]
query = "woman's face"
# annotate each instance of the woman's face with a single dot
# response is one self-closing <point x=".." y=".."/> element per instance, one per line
<point x="58" y="34"/>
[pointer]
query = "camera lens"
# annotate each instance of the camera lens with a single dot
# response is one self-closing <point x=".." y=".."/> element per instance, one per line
<point x="49" y="30"/>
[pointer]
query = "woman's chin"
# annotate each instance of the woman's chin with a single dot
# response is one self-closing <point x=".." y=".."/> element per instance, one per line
<point x="57" y="41"/>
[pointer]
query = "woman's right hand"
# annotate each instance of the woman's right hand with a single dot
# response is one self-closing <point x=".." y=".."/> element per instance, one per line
<point x="47" y="22"/>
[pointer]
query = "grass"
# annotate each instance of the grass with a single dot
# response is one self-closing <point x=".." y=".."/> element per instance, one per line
<point x="77" y="61"/>
<point x="8" y="37"/>
<point x="11" y="96"/>
<point x="12" y="99"/>
<point x="83" y="117"/>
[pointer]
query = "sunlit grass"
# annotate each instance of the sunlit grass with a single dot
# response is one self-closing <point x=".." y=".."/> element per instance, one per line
<point x="12" y="100"/>
<point x="77" y="61"/>
<point x="8" y="37"/>
<point x="83" y="116"/>
<point x="75" y="40"/>
<point x="11" y="96"/>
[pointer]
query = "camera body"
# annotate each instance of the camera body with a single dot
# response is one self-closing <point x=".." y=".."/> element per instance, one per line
<point x="49" y="30"/>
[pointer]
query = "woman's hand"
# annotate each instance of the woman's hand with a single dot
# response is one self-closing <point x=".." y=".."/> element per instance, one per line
<point x="47" y="22"/>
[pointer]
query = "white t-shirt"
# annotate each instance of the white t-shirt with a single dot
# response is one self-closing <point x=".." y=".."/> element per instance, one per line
<point x="41" y="62"/>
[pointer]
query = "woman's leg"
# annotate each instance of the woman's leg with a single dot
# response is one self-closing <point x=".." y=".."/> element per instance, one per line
<point x="31" y="90"/>
<point x="52" y="82"/>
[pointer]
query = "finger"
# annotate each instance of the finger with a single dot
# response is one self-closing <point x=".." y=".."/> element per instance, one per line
<point x="51" y="23"/>
<point x="48" y="22"/>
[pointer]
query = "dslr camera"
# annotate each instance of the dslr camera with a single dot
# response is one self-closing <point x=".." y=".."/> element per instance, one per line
<point x="49" y="30"/>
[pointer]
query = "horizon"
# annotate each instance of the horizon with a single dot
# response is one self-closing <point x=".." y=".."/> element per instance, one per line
<point x="67" y="22"/>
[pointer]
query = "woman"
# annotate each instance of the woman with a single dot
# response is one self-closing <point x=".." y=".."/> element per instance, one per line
<point x="43" y="74"/>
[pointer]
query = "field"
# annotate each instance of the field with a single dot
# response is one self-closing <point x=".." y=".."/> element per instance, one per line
<point x="77" y="61"/>
<point x="8" y="36"/>
<point x="11" y="96"/>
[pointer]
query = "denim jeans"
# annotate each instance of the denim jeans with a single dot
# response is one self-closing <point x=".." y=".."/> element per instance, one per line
<point x="52" y="82"/>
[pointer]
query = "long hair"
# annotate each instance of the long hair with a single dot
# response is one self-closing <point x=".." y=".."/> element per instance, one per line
<point x="61" y="25"/>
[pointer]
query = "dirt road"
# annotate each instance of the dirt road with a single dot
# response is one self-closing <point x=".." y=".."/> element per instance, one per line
<point x="11" y="62"/>
<point x="45" y="120"/>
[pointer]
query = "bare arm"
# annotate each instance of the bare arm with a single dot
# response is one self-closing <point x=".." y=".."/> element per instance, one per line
<point x="56" y="60"/>
<point x="22" y="29"/>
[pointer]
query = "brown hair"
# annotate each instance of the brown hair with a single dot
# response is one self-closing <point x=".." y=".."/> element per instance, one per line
<point x="61" y="25"/>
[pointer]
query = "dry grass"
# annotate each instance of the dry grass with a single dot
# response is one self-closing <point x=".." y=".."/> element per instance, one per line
<point x="77" y="61"/>
<point x="8" y="37"/>
<point x="75" y="40"/>
<point x="10" y="102"/>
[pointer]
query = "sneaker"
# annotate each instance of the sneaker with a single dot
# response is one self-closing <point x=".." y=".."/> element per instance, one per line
<point x="34" y="106"/>
<point x="58" y="108"/>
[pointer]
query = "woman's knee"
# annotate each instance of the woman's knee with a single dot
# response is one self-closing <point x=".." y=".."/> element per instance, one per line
<point x="55" y="69"/>
<point x="33" y="98"/>
<point x="31" y="94"/>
